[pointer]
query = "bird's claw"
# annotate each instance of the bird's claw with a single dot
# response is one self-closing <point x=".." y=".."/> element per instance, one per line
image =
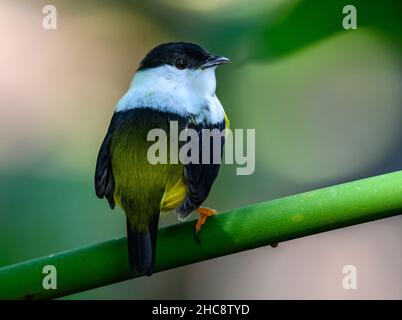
<point x="204" y="213"/>
<point x="196" y="235"/>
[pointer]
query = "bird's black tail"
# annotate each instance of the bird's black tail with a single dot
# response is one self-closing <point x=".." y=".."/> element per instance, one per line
<point x="142" y="247"/>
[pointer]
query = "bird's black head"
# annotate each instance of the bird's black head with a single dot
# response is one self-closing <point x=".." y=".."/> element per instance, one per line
<point x="181" y="55"/>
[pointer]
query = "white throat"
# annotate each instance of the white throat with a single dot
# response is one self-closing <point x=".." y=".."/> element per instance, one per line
<point x="168" y="89"/>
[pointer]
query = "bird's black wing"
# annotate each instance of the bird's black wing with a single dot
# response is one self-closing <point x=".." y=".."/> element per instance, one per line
<point x="104" y="180"/>
<point x="200" y="177"/>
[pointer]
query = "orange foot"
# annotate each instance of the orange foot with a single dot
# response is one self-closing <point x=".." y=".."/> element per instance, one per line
<point x="204" y="213"/>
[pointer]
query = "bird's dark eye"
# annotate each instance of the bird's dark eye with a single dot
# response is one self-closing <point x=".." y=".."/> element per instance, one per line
<point x="181" y="63"/>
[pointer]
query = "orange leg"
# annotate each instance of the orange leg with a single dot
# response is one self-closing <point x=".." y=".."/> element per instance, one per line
<point x="204" y="213"/>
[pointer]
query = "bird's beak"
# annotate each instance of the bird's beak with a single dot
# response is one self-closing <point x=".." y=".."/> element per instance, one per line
<point x="215" y="61"/>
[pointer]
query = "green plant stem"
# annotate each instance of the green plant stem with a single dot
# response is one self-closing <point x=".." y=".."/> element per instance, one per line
<point x="234" y="231"/>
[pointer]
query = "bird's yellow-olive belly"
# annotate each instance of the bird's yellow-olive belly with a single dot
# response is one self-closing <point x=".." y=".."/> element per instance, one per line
<point x="143" y="188"/>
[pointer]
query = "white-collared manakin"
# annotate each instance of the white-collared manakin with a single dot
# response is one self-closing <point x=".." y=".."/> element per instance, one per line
<point x="174" y="82"/>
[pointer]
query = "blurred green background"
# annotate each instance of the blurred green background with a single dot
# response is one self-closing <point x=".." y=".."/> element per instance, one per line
<point x="326" y="104"/>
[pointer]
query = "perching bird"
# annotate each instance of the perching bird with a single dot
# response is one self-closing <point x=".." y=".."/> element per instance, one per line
<point x="174" y="82"/>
